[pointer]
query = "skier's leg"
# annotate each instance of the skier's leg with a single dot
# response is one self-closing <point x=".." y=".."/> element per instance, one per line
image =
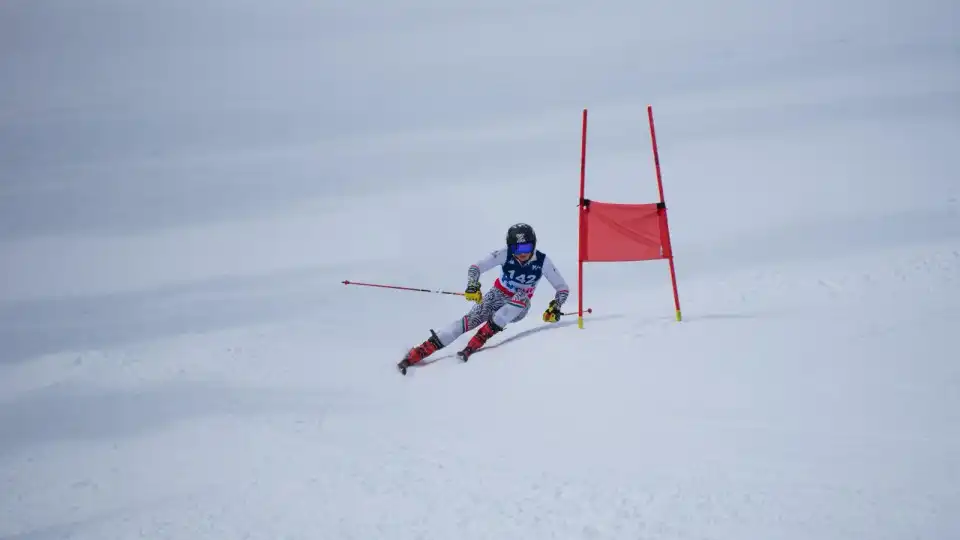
<point x="511" y="312"/>
<point x="513" y="309"/>
<point x="478" y="314"/>
<point x="523" y="313"/>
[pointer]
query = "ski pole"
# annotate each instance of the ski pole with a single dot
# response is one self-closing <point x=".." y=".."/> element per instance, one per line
<point x="434" y="291"/>
<point x="398" y="287"/>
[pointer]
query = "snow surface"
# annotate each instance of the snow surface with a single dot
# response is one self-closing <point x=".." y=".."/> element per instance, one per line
<point x="185" y="184"/>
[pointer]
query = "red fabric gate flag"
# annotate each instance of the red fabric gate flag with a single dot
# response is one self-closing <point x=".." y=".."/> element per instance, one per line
<point x="624" y="232"/>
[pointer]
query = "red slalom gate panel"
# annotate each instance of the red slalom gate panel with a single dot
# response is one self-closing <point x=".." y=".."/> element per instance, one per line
<point x="620" y="232"/>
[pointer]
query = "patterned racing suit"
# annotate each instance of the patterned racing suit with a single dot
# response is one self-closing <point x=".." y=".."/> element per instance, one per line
<point x="508" y="300"/>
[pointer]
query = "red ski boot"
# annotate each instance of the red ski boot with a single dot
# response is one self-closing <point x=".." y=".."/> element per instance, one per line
<point x="418" y="353"/>
<point x="485" y="332"/>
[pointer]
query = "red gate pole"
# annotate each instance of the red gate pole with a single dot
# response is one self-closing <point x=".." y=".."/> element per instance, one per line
<point x="663" y="204"/>
<point x="582" y="219"/>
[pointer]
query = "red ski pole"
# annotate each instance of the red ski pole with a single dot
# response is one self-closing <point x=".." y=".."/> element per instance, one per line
<point x="434" y="291"/>
<point x="397" y="287"/>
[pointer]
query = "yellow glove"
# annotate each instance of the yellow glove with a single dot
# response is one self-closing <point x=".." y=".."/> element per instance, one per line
<point x="552" y="314"/>
<point x="473" y="292"/>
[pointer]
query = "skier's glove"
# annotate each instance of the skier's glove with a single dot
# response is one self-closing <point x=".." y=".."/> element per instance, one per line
<point x="473" y="292"/>
<point x="552" y="314"/>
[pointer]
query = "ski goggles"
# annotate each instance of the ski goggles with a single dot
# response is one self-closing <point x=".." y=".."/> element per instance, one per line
<point x="526" y="247"/>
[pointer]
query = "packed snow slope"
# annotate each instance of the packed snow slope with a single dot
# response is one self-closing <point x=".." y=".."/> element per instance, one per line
<point x="185" y="184"/>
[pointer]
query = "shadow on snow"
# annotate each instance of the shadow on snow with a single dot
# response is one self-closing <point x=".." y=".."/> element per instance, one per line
<point x="518" y="335"/>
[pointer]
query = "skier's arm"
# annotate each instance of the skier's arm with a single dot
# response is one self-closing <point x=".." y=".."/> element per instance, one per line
<point x="559" y="284"/>
<point x="494" y="259"/>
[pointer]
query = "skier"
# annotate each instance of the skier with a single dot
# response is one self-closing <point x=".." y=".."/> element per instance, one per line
<point x="507" y="301"/>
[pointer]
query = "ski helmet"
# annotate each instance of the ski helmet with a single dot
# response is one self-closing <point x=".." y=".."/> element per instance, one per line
<point x="521" y="239"/>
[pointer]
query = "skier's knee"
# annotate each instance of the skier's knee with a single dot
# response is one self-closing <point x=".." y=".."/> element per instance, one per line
<point x="501" y="319"/>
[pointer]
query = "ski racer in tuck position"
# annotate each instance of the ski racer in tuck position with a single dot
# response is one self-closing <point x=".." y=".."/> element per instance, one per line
<point x="507" y="301"/>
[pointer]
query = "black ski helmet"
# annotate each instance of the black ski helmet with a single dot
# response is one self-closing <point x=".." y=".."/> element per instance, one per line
<point x="521" y="233"/>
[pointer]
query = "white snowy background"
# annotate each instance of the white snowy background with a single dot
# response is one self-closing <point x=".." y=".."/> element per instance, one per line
<point x="184" y="184"/>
